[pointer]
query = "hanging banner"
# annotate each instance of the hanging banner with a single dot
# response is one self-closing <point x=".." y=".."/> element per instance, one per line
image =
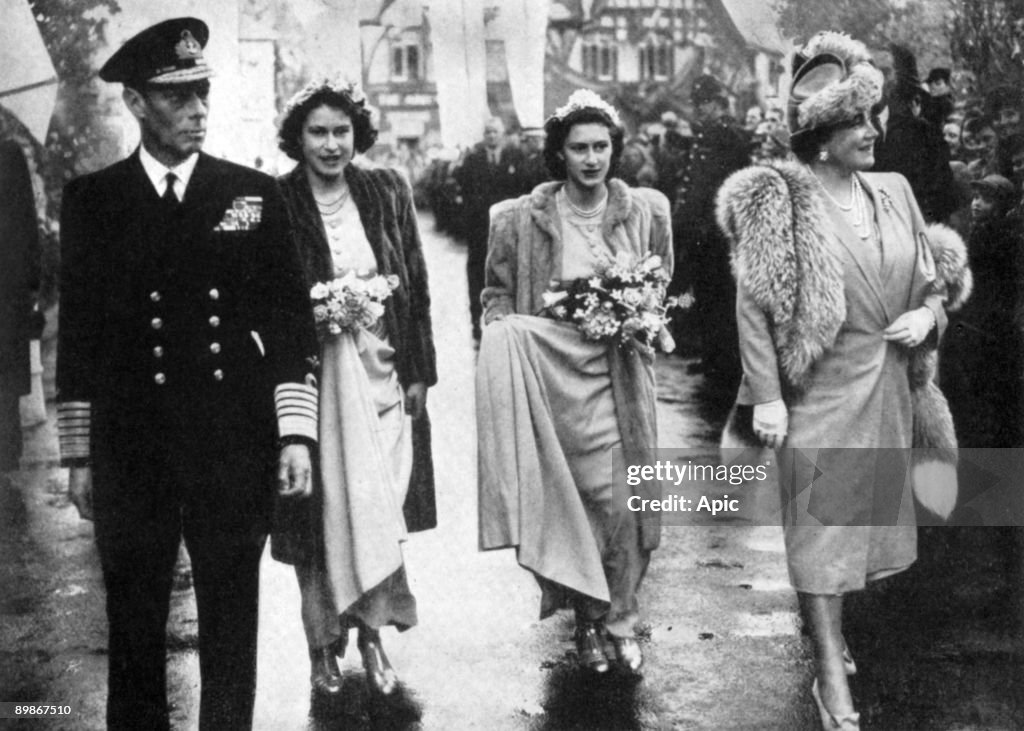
<point x="460" y="69"/>
<point x="522" y="25"/>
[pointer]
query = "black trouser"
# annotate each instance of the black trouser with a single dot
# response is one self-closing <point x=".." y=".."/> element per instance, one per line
<point x="476" y="267"/>
<point x="147" y="498"/>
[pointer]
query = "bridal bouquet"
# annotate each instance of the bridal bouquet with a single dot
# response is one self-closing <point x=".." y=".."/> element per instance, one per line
<point x="350" y="302"/>
<point x="625" y="300"/>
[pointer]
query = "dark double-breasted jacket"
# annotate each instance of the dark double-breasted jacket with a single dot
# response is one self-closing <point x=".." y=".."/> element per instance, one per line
<point x="386" y="209"/>
<point x="192" y="318"/>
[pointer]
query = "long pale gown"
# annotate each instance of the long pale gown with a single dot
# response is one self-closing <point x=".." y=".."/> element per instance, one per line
<point x="365" y="467"/>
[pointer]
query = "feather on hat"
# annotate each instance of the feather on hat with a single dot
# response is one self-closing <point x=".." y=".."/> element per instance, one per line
<point x="834" y="80"/>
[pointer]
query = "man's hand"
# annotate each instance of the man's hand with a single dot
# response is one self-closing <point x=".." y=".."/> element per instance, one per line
<point x="294" y="471"/>
<point x="771" y="422"/>
<point x="80" y="491"/>
<point x="910" y="328"/>
<point x="416" y="400"/>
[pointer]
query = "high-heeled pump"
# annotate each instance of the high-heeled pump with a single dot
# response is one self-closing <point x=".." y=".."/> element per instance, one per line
<point x="324" y="675"/>
<point x="380" y="676"/>
<point x="830" y="722"/>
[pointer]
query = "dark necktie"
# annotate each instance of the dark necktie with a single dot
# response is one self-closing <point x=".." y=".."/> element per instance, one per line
<point x="169" y="198"/>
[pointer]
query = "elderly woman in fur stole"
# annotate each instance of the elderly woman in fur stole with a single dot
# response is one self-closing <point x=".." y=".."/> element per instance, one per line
<point x="841" y="297"/>
<point x="552" y="405"/>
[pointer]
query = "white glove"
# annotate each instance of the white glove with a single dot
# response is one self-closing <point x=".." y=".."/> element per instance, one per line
<point x="771" y="421"/>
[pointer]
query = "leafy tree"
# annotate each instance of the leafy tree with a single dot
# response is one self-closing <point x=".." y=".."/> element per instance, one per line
<point x="987" y="40"/>
<point x="72" y="30"/>
<point x="921" y="25"/>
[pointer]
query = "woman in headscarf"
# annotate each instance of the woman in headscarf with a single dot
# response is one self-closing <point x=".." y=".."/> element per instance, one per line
<point x="840" y="300"/>
<point x="375" y="476"/>
<point x="552" y="405"/>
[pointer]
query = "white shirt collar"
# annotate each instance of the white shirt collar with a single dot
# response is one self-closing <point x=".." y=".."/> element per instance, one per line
<point x="156" y="171"/>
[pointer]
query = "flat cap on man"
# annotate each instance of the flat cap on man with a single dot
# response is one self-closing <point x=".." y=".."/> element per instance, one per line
<point x="170" y="52"/>
<point x="938" y="73"/>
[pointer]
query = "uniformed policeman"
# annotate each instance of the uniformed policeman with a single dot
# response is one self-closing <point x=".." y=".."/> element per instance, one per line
<point x="718" y="148"/>
<point x="185" y="342"/>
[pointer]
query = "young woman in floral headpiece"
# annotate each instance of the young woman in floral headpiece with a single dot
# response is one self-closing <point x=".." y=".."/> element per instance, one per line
<point x="841" y="296"/>
<point x="375" y="476"/>
<point x="553" y="401"/>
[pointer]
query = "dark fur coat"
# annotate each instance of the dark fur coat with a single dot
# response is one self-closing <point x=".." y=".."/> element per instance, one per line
<point x="385" y="205"/>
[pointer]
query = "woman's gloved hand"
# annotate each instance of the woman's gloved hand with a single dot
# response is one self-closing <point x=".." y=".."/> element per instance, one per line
<point x="771" y="422"/>
<point x="910" y="328"/>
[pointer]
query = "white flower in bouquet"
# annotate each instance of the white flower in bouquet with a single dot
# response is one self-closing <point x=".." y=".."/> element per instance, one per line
<point x="350" y="302"/>
<point x="627" y="302"/>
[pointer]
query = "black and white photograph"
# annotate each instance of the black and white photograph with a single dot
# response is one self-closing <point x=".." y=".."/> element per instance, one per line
<point x="518" y="365"/>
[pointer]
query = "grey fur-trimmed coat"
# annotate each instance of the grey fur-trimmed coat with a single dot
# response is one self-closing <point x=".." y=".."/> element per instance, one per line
<point x="813" y="302"/>
<point x="525" y="254"/>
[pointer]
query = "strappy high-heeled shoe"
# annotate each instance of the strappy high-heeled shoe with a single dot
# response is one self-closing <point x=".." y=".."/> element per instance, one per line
<point x="324" y="675"/>
<point x="380" y="676"/>
<point x="829" y="722"/>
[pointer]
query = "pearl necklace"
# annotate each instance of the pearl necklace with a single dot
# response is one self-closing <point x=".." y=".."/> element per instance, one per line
<point x="587" y="213"/>
<point x="861" y="221"/>
<point x="332" y="207"/>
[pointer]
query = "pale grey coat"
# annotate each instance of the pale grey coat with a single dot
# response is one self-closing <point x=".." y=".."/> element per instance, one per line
<point x="847" y="389"/>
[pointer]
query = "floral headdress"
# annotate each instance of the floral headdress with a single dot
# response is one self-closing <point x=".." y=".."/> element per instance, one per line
<point x="586" y="99"/>
<point x="345" y="87"/>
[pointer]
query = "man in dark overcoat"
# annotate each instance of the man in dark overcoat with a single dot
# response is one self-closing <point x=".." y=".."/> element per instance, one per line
<point x="492" y="171"/>
<point x="185" y="341"/>
<point x="19" y="278"/>
<point x="718" y="148"/>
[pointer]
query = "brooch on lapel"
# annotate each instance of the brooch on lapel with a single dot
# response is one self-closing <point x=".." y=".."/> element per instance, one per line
<point x="244" y="214"/>
<point x="886" y="199"/>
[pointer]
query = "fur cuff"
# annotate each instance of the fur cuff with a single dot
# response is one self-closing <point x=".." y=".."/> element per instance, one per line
<point x="950" y="255"/>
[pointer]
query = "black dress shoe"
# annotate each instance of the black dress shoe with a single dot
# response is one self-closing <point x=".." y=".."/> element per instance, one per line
<point x="325" y="677"/>
<point x="380" y="676"/>
<point x="627" y="652"/>
<point x="590" y="648"/>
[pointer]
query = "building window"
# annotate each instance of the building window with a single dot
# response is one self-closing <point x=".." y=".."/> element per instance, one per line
<point x="655" y="61"/>
<point x="405" y="61"/>
<point x="600" y="60"/>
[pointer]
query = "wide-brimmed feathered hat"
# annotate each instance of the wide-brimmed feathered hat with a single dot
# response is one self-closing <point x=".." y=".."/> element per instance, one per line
<point x="834" y="80"/>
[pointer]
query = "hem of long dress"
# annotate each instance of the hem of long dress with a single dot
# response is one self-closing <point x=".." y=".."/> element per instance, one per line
<point x="349" y="618"/>
<point x="848" y="587"/>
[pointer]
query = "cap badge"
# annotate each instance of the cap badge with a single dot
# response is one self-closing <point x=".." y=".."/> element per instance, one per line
<point x="188" y="47"/>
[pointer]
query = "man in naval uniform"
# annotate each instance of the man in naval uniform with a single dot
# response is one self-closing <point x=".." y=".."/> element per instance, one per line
<point x="718" y="148"/>
<point x="185" y="343"/>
